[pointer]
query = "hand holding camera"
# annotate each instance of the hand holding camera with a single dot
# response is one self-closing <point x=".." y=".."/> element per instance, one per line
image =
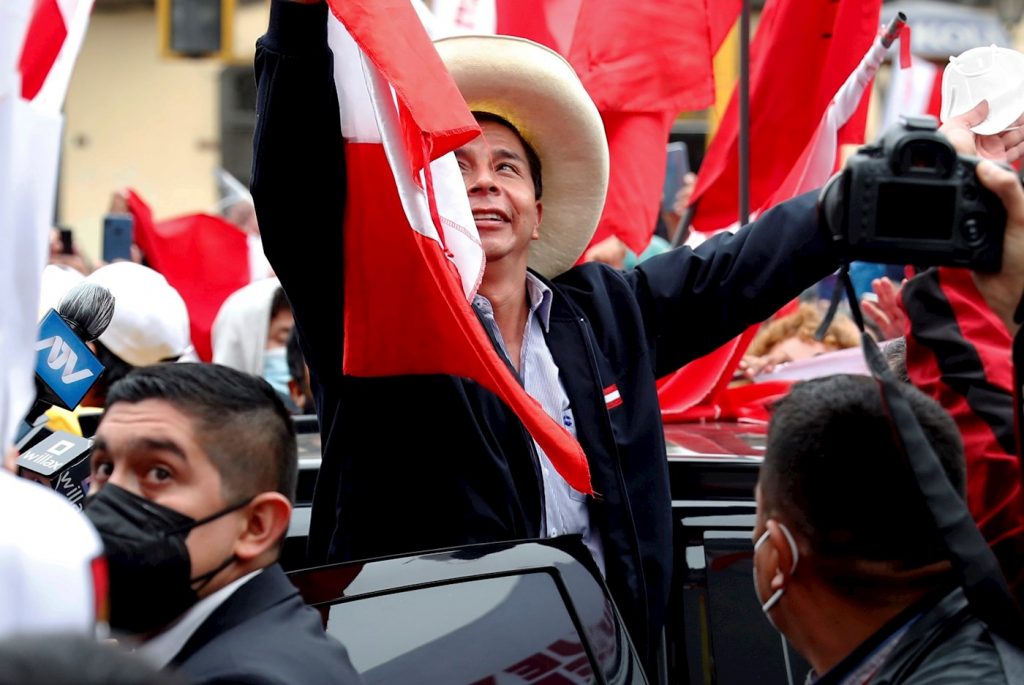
<point x="1003" y="290"/>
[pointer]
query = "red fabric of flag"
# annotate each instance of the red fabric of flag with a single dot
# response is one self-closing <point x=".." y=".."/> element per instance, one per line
<point x="391" y="35"/>
<point x="644" y="55"/>
<point x="643" y="62"/>
<point x="204" y="258"/>
<point x="636" y="147"/>
<point x="802" y="53"/>
<point x="43" y="41"/>
<point x="428" y="326"/>
<point x="722" y="16"/>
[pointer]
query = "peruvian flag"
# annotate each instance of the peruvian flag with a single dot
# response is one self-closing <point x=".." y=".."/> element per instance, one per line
<point x="700" y="389"/>
<point x="52" y="41"/>
<point x="641" y="61"/>
<point x="39" y="42"/>
<point x="203" y="257"/>
<point x="802" y="53"/>
<point x="409" y="232"/>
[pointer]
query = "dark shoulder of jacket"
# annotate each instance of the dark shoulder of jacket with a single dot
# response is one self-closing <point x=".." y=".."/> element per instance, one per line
<point x="591" y="284"/>
<point x="947" y="646"/>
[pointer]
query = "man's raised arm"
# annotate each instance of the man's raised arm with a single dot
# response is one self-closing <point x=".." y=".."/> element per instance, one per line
<point x="298" y="174"/>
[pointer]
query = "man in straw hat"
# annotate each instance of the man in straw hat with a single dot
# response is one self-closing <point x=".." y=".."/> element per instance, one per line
<point x="536" y="181"/>
<point x="588" y="341"/>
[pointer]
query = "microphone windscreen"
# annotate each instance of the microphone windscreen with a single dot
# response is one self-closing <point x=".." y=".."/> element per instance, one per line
<point x="88" y="307"/>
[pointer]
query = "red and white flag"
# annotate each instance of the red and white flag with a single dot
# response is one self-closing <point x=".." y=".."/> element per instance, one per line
<point x="801" y="55"/>
<point x="821" y="155"/>
<point x="39" y="42"/>
<point x="414" y="245"/>
<point x="701" y="389"/>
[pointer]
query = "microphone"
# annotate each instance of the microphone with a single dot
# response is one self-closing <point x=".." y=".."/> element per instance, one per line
<point x="65" y="366"/>
<point x="61" y="463"/>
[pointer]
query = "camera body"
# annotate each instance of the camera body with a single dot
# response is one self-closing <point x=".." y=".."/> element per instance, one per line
<point x="911" y="199"/>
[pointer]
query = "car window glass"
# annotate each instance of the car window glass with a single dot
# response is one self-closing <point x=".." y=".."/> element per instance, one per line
<point x="492" y="631"/>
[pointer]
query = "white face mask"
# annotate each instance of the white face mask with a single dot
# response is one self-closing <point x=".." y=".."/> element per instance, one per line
<point x="777" y="595"/>
<point x="275" y="369"/>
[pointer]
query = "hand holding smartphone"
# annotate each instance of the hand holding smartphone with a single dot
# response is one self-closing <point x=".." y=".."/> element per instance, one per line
<point x="118" y="230"/>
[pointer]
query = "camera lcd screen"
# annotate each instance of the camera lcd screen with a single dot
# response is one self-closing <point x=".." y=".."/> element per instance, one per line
<point x="915" y="211"/>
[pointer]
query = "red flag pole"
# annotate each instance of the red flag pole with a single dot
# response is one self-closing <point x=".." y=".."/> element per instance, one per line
<point x="744" y="124"/>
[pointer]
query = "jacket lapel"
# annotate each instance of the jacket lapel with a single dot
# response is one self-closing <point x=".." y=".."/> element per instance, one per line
<point x="268" y="588"/>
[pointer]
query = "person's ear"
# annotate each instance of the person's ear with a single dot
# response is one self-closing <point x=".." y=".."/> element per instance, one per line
<point x="780" y="556"/>
<point x="536" y="229"/>
<point x="266" y="522"/>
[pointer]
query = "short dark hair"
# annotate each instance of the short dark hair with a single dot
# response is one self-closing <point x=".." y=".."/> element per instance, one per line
<point x="834" y="469"/>
<point x="532" y="159"/>
<point x="279" y="303"/>
<point x="240" y="422"/>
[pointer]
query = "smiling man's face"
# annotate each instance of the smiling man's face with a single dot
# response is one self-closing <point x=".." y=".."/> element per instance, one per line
<point x="501" y="192"/>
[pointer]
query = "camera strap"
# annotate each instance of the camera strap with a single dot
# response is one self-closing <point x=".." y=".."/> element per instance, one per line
<point x="976" y="566"/>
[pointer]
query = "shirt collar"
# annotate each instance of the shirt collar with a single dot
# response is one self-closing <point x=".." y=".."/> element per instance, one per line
<point x="540" y="300"/>
<point x="160" y="649"/>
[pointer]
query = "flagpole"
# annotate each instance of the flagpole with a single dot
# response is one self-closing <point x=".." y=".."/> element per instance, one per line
<point x="744" y="133"/>
<point x="894" y="29"/>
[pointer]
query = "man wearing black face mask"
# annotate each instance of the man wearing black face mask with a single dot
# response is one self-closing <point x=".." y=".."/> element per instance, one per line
<point x="193" y="477"/>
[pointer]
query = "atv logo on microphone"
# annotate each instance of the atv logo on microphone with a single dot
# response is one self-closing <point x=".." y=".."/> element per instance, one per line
<point x="64" y="363"/>
<point x="63" y="357"/>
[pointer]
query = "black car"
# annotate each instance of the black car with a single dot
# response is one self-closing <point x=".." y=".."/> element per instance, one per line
<point x="499" y="613"/>
<point x="514" y="612"/>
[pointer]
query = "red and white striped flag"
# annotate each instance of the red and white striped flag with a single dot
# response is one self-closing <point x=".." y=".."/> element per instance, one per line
<point x="413" y="259"/>
<point x="699" y="390"/>
<point x="39" y="41"/>
<point x="821" y="155"/>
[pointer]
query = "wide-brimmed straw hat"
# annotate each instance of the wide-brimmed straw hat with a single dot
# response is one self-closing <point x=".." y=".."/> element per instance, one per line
<point x="535" y="90"/>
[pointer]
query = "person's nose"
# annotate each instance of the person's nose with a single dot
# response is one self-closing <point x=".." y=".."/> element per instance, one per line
<point x="123" y="478"/>
<point x="481" y="180"/>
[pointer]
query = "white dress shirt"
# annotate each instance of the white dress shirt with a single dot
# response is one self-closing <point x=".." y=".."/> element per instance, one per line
<point x="565" y="509"/>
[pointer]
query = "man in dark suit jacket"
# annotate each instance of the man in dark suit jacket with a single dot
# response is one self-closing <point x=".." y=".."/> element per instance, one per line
<point x="193" y="477"/>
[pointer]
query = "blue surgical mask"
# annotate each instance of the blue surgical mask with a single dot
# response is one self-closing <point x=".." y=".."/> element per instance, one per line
<point x="777" y="595"/>
<point x="275" y="369"/>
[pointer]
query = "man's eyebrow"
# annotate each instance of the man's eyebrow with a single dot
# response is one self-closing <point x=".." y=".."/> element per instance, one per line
<point x="505" y="153"/>
<point x="157" y="445"/>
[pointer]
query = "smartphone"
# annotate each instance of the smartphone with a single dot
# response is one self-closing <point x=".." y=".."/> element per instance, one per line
<point x="66" y="241"/>
<point x="677" y="165"/>
<point x="117" y="237"/>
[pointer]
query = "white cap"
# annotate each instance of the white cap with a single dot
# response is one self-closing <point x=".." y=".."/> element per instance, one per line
<point x="994" y="74"/>
<point x="49" y="554"/>
<point x="150" y="321"/>
<point x="57" y="281"/>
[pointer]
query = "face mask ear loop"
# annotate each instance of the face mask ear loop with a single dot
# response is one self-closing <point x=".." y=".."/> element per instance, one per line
<point x="212" y="517"/>
<point x="205" y="578"/>
<point x="791" y="541"/>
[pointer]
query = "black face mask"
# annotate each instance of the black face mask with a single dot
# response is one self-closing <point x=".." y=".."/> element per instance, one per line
<point x="150" y="568"/>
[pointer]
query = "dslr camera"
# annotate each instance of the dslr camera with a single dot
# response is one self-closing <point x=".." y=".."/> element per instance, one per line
<point x="910" y="199"/>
